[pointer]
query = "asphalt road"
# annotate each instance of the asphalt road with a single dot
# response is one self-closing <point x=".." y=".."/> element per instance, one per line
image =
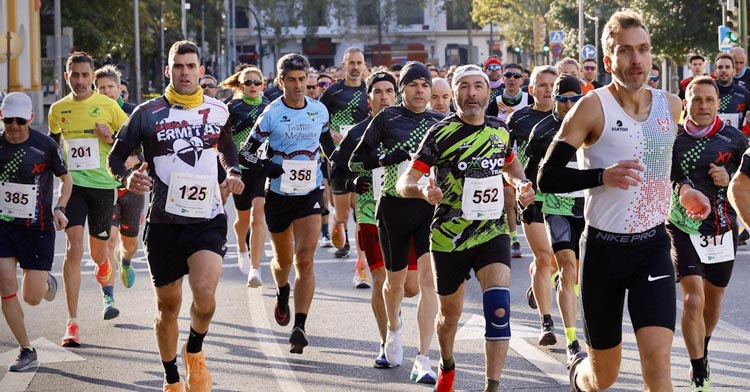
<point x="248" y="351"/>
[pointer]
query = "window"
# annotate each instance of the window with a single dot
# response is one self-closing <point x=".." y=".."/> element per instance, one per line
<point x="240" y="18"/>
<point x="410" y="13"/>
<point x="367" y="12"/>
<point x="455" y="19"/>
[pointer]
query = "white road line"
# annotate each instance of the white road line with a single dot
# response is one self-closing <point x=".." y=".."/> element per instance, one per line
<point x="47" y="352"/>
<point x="284" y="374"/>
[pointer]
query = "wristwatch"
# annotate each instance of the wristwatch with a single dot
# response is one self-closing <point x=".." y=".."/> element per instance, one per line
<point x="235" y="170"/>
<point x="59" y="208"/>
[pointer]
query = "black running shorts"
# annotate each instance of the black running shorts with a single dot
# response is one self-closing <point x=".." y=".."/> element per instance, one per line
<point x="96" y="204"/>
<point x="533" y="214"/>
<point x="168" y="246"/>
<point x="254" y="187"/>
<point x="33" y="248"/>
<point x="612" y="264"/>
<point x="564" y="232"/>
<point x="452" y="269"/>
<point x="399" y="221"/>
<point x="127" y="213"/>
<point x="687" y="262"/>
<point x="282" y="210"/>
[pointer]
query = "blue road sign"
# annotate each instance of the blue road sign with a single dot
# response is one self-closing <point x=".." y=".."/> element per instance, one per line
<point x="556" y="37"/>
<point x="724" y="42"/>
<point x="588" y="51"/>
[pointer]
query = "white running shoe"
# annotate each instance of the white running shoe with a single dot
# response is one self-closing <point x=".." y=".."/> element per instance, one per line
<point x="253" y="279"/>
<point x="243" y="262"/>
<point x="394" y="347"/>
<point x="422" y="372"/>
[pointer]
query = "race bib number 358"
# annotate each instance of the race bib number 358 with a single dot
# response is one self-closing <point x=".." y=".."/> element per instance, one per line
<point x="299" y="176"/>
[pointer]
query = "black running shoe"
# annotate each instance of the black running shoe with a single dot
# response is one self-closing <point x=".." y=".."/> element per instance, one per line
<point x="281" y="314"/>
<point x="547" y="337"/>
<point x="298" y="340"/>
<point x="530" y="297"/>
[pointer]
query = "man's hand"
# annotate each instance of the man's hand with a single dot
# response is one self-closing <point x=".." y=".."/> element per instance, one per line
<point x="432" y="193"/>
<point x="719" y="175"/>
<point x="623" y="174"/>
<point x="696" y="204"/>
<point x="525" y="194"/>
<point x="233" y="183"/>
<point x="273" y="170"/>
<point x="104" y="132"/>
<point x="395" y="157"/>
<point x="139" y="182"/>
<point x="362" y="184"/>
<point x="59" y="219"/>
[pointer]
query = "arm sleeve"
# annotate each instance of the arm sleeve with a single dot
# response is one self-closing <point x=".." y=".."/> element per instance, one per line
<point x="227" y="149"/>
<point x="365" y="155"/>
<point x="555" y="177"/>
<point x="427" y="154"/>
<point x="127" y="138"/>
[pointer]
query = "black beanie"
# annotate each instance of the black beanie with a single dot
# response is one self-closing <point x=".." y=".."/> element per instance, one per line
<point x="566" y="83"/>
<point x="412" y="71"/>
<point x="380" y="76"/>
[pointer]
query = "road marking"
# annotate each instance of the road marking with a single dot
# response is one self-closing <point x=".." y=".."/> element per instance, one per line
<point x="284" y="374"/>
<point x="47" y="351"/>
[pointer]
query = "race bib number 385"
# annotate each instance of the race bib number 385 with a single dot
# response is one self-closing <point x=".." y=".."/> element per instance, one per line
<point x="83" y="154"/>
<point x="18" y="200"/>
<point x="190" y="195"/>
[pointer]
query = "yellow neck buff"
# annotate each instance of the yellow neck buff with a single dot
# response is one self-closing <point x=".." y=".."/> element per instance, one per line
<point x="183" y="101"/>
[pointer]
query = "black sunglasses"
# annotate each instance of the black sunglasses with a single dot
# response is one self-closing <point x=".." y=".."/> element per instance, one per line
<point x="248" y="83"/>
<point x="324" y="84"/>
<point x="515" y="75"/>
<point x="311" y="87"/>
<point x="208" y="86"/>
<point x="654" y="78"/>
<point x="18" y="120"/>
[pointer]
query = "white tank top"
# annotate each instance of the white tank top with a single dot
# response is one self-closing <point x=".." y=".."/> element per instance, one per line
<point x="639" y="208"/>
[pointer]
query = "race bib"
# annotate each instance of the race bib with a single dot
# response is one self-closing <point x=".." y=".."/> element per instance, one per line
<point x="83" y="154"/>
<point x="378" y="176"/>
<point x="572" y="165"/>
<point x="713" y="249"/>
<point x="190" y="195"/>
<point x="18" y="200"/>
<point x="344" y="130"/>
<point x="732" y="119"/>
<point x="482" y="198"/>
<point x="299" y="176"/>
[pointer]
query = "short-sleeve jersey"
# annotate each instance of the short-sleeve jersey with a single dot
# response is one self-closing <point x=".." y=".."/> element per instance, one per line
<point x="32" y="162"/>
<point x="692" y="158"/>
<point x="242" y="117"/>
<point x="77" y="120"/>
<point x="292" y="134"/>
<point x="398" y="128"/>
<point x="346" y="105"/>
<point x="177" y="140"/>
<point x="458" y="151"/>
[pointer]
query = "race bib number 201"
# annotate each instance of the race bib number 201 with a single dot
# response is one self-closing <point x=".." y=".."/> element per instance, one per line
<point x="83" y="154"/>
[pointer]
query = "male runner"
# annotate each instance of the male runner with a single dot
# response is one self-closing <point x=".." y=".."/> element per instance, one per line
<point x="697" y="64"/>
<point x="470" y="153"/>
<point x="296" y="128"/>
<point x="734" y="101"/>
<point x="440" y="96"/>
<point x="210" y="85"/>
<point x="493" y="67"/>
<point x="107" y="82"/>
<point x="27" y="236"/>
<point x="86" y="121"/>
<point x="627" y="132"/>
<point x="512" y="96"/>
<point x="180" y="133"/>
<point x="707" y="152"/>
<point x="591" y="72"/>
<point x="742" y="74"/>
<point x="654" y="79"/>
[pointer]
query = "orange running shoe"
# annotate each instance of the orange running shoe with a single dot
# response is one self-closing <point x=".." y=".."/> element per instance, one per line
<point x="338" y="235"/>
<point x="197" y="376"/>
<point x="103" y="273"/>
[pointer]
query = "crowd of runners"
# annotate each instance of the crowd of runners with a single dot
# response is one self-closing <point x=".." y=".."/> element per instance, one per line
<point x="619" y="188"/>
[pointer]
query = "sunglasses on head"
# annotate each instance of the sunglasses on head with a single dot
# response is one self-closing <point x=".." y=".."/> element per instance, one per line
<point x="494" y="67"/>
<point x="208" y="86"/>
<point x="324" y="84"/>
<point x="256" y="83"/>
<point x="515" y="75"/>
<point x="18" y="120"/>
<point x="565" y="99"/>
<point x="654" y="78"/>
<point x="589" y="67"/>
<point x="311" y="87"/>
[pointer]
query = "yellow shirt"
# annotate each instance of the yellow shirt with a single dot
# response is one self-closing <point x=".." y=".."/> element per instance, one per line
<point x="76" y="121"/>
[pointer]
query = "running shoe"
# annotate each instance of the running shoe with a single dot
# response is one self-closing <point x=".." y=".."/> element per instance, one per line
<point x="298" y="340"/>
<point x="700" y="384"/>
<point x="243" y="262"/>
<point x="26" y="360"/>
<point x="530" y="299"/>
<point x="743" y="237"/>
<point x="515" y="250"/>
<point x="338" y="235"/>
<point x="572" y="372"/>
<point x="380" y="361"/>
<point x="361" y="280"/>
<point x="253" y="279"/>
<point x="394" y="347"/>
<point x="574" y="351"/>
<point x="71" y="336"/>
<point x="110" y="311"/>
<point x="127" y="273"/>
<point x="325" y="241"/>
<point x="52" y="290"/>
<point x="197" y="375"/>
<point x="547" y="337"/>
<point x="103" y="274"/>
<point x="445" y="380"/>
<point x="556" y="280"/>
<point x="281" y="314"/>
<point x="179" y="386"/>
<point x="422" y="372"/>
<point x="343" y="252"/>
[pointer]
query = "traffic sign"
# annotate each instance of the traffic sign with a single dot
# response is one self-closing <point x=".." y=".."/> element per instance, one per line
<point x="588" y="51"/>
<point x="725" y="38"/>
<point x="556" y="50"/>
<point x="556" y="37"/>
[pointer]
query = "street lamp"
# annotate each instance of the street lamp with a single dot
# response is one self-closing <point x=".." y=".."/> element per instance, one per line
<point x="257" y="24"/>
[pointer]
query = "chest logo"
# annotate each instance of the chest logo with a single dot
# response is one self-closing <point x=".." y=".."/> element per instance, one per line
<point x="618" y="127"/>
<point x="189" y="152"/>
<point x="94" y="112"/>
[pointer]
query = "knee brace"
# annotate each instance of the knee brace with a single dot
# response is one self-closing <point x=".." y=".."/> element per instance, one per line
<point x="494" y="299"/>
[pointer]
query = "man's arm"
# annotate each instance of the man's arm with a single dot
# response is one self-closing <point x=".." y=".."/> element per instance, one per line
<point x="513" y="173"/>
<point x="58" y="214"/>
<point x="739" y="196"/>
<point x="407" y="187"/>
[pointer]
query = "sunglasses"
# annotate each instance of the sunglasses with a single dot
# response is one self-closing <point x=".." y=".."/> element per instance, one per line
<point x="515" y="75"/>
<point x="249" y="83"/>
<point x="589" y="68"/>
<point x="494" y="67"/>
<point x="565" y="99"/>
<point x="654" y="78"/>
<point x="208" y="86"/>
<point x="311" y="87"/>
<point x="18" y="120"/>
<point x="324" y="84"/>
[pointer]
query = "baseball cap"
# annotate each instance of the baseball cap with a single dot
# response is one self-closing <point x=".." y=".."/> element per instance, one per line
<point x="16" y="105"/>
<point x="380" y="76"/>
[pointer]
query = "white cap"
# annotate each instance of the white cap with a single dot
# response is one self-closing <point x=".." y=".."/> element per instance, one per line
<point x="468" y="70"/>
<point x="16" y="105"/>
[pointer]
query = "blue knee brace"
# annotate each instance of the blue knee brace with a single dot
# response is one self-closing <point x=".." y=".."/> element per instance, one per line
<point x="495" y="298"/>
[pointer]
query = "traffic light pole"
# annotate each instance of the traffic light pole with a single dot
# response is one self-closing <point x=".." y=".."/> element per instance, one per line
<point x="743" y="24"/>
